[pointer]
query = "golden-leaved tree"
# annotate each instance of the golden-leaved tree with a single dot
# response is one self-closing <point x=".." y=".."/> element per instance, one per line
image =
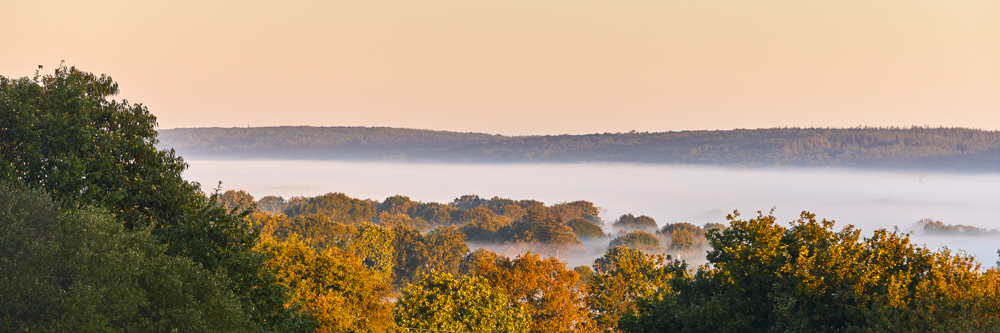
<point x="544" y="286"/>
<point x="334" y="285"/>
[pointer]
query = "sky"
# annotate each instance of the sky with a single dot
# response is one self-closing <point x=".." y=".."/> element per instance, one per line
<point x="528" y="67"/>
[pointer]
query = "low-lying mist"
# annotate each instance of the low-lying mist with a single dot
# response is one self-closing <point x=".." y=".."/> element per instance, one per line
<point x="866" y="199"/>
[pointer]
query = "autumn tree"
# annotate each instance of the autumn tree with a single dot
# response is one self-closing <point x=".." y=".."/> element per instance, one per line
<point x="398" y="205"/>
<point x="442" y="302"/>
<point x="271" y="204"/>
<point x="468" y="201"/>
<point x="390" y="221"/>
<point x="577" y="210"/>
<point x="336" y="286"/>
<point x="338" y="207"/>
<point x="236" y="200"/>
<point x="435" y="214"/>
<point x="585" y="273"/>
<point x="547" y="289"/>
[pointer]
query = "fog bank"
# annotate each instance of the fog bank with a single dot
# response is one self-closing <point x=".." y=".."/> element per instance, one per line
<point x="866" y="199"/>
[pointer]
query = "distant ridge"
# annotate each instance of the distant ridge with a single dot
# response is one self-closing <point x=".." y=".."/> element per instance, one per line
<point x="923" y="148"/>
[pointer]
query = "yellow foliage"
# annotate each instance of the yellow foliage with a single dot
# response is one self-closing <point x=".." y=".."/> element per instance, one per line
<point x="333" y="285"/>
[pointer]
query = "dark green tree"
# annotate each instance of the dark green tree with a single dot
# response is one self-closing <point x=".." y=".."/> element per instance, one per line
<point x="80" y="270"/>
<point x="638" y="239"/>
<point x="441" y="250"/>
<point x="585" y="229"/>
<point x="63" y="133"/>
<point x="764" y="277"/>
<point x="631" y="222"/>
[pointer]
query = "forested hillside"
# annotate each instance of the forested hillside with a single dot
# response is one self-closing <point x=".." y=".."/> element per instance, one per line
<point x="910" y="148"/>
<point x="100" y="233"/>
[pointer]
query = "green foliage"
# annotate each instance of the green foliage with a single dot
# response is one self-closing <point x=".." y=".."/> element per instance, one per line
<point x="577" y="210"/>
<point x="585" y="229"/>
<point x="537" y="226"/>
<point x="79" y="270"/>
<point x="630" y="222"/>
<point x="639" y="240"/>
<point x="338" y="207"/>
<point x="416" y="255"/>
<point x="64" y="135"/>
<point x="623" y="276"/>
<point x="870" y="147"/>
<point x="767" y="278"/>
<point x="468" y="201"/>
<point x="932" y="227"/>
<point x="398" y="204"/>
<point x="436" y="214"/>
<point x="441" y="302"/>
<point x="373" y="244"/>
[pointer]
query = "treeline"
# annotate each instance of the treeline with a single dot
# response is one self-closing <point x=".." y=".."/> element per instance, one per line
<point x="867" y="147"/>
<point x="99" y="233"/>
<point x="760" y="276"/>
<point x="938" y="228"/>
<point x="559" y="229"/>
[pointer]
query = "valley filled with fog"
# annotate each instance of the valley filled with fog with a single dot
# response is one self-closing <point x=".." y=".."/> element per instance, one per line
<point x="866" y="199"/>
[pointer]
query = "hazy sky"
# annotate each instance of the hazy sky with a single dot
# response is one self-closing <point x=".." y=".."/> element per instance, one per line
<point x="528" y="67"/>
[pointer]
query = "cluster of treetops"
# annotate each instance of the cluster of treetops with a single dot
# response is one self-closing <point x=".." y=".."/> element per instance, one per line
<point x="938" y="228"/>
<point x="556" y="229"/>
<point x="911" y="148"/>
<point x="100" y="233"/>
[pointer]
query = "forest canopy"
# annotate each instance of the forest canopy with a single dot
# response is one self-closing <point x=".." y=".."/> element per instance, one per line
<point x="99" y="232"/>
<point x="864" y="147"/>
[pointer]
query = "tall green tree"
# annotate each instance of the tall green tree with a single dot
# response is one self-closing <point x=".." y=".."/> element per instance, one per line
<point x="80" y="270"/>
<point x="65" y="134"/>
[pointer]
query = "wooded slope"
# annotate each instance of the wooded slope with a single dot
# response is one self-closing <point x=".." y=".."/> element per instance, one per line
<point x="914" y="147"/>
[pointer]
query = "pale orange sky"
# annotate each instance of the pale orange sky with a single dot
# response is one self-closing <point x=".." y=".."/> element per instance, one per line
<point x="528" y="67"/>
